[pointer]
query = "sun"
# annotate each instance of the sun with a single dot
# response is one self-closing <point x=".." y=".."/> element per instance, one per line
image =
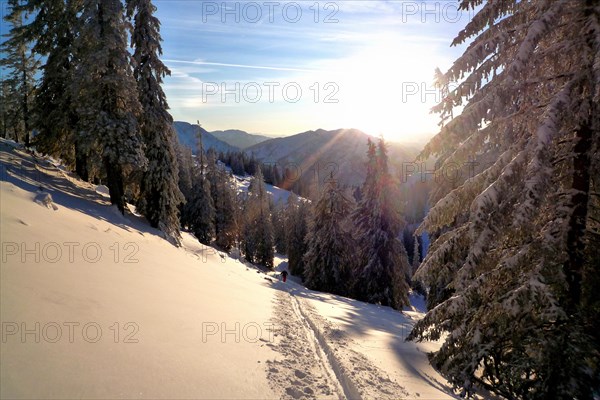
<point x="386" y="89"/>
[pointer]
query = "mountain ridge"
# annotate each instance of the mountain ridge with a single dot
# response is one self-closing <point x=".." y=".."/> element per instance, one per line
<point x="239" y="138"/>
<point x="342" y="152"/>
<point x="187" y="135"/>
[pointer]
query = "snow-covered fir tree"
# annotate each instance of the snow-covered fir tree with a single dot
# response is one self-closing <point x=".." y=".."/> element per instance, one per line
<point x="21" y="65"/>
<point x="382" y="266"/>
<point x="328" y="260"/>
<point x="106" y="96"/>
<point x="52" y="29"/>
<point x="257" y="235"/>
<point x="200" y="208"/>
<point x="224" y="200"/>
<point x="201" y="211"/>
<point x="296" y="226"/>
<point x="227" y="216"/>
<point x="185" y="163"/>
<point x="159" y="196"/>
<point x="5" y="110"/>
<point x="416" y="258"/>
<point x="516" y="245"/>
<point x="278" y="217"/>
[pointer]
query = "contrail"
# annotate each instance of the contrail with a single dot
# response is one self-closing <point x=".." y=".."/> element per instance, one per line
<point x="240" y="65"/>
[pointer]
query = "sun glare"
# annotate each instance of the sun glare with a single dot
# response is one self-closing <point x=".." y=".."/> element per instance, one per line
<point x="386" y="89"/>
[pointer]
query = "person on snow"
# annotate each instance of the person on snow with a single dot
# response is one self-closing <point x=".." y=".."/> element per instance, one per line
<point x="284" y="275"/>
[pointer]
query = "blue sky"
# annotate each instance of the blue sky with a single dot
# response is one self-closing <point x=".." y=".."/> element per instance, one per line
<point x="284" y="67"/>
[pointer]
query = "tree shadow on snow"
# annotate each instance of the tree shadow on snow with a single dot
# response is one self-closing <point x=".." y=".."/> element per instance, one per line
<point x="36" y="175"/>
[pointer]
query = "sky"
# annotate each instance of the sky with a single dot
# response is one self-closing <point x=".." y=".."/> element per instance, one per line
<point x="285" y="67"/>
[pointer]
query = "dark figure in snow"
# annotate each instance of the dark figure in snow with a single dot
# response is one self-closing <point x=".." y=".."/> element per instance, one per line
<point x="284" y="275"/>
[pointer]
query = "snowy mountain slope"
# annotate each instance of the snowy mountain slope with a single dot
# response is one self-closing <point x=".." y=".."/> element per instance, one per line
<point x="98" y="305"/>
<point x="164" y="300"/>
<point x="187" y="133"/>
<point x="238" y="138"/>
<point x="341" y="151"/>
<point x="277" y="194"/>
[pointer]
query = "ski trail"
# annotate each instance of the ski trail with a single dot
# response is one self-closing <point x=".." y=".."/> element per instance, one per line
<point x="321" y="354"/>
<point x="325" y="355"/>
<point x="300" y="372"/>
<point x="358" y="377"/>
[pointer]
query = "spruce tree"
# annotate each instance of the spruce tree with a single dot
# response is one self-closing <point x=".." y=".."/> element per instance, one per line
<point x="159" y="192"/>
<point x="185" y="163"/>
<point x="53" y="30"/>
<point x="328" y="260"/>
<point x="416" y="261"/>
<point x="517" y="244"/>
<point x="21" y="66"/>
<point x="278" y="217"/>
<point x="296" y="230"/>
<point x="106" y="96"/>
<point x="383" y="266"/>
<point x="201" y="212"/>
<point x="257" y="236"/>
<point x="200" y="209"/>
<point x="223" y="195"/>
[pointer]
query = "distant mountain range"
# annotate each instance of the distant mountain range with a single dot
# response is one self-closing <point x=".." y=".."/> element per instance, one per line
<point x="319" y="153"/>
<point x="238" y="138"/>
<point x="187" y="134"/>
<point x="342" y="152"/>
<point x="229" y="140"/>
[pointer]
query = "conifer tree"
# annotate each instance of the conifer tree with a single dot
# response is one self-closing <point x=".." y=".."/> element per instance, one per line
<point x="257" y="234"/>
<point x="52" y="30"/>
<point x="223" y="195"/>
<point x="21" y="66"/>
<point x="382" y="261"/>
<point x="328" y="260"/>
<point x="5" y="108"/>
<point x="517" y="244"/>
<point x="106" y="96"/>
<point x="185" y="163"/>
<point x="416" y="257"/>
<point x="160" y="195"/>
<point x="226" y="217"/>
<point x="296" y="230"/>
<point x="202" y="211"/>
<point x="278" y="217"/>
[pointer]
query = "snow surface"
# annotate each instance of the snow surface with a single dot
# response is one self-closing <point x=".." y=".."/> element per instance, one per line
<point x="187" y="322"/>
<point x="277" y="194"/>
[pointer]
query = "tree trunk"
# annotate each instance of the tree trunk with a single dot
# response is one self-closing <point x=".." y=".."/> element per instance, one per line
<point x="581" y="187"/>
<point x="81" y="165"/>
<point x="114" y="181"/>
<point x="25" y="105"/>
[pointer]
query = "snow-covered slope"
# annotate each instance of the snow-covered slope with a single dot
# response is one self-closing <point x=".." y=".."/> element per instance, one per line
<point x="97" y="305"/>
<point x="277" y="194"/>
<point x="91" y="269"/>
<point x="238" y="138"/>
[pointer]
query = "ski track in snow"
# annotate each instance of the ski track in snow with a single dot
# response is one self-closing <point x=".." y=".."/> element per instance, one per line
<point x="318" y="361"/>
<point x="301" y="373"/>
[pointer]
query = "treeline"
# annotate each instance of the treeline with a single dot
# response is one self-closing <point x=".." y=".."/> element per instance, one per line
<point x="220" y="214"/>
<point x="97" y="106"/>
<point x="288" y="177"/>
